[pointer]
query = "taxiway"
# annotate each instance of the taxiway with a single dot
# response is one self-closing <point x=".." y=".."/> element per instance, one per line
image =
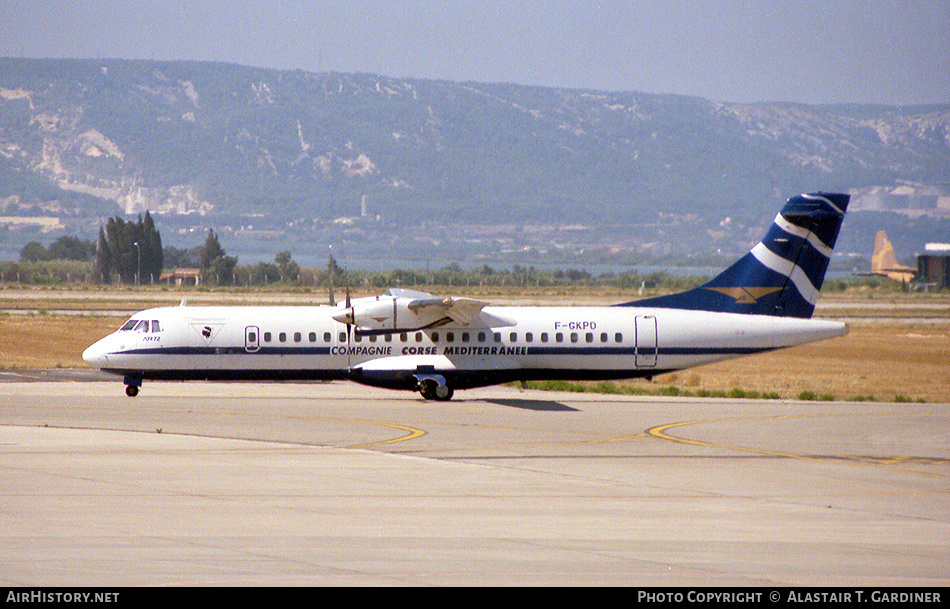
<point x="340" y="484"/>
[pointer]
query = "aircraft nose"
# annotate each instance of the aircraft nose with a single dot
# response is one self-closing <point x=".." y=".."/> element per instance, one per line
<point x="95" y="355"/>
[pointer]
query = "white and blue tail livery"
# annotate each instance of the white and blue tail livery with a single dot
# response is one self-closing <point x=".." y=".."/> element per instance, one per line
<point x="782" y="275"/>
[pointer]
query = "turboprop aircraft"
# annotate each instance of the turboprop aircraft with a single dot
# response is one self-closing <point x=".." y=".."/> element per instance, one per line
<point x="411" y="340"/>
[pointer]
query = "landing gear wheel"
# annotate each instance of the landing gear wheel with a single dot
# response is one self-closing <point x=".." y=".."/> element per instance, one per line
<point x="443" y="393"/>
<point x="131" y="391"/>
<point x="431" y="390"/>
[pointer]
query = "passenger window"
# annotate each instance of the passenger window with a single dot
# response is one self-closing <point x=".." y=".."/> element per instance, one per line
<point x="603" y="337"/>
<point x="574" y="337"/>
<point x="435" y="337"/>
<point x="618" y="337"/>
<point x="282" y="337"/>
<point x="528" y="337"/>
<point x="559" y="337"/>
<point x="544" y="337"/>
<point x="297" y="337"/>
<point x="266" y="337"/>
<point x="481" y="337"/>
<point x="449" y="336"/>
<point x="497" y="337"/>
<point x="465" y="337"/>
<point x="513" y="337"/>
<point x="342" y="337"/>
<point x="418" y="337"/>
<point x="404" y="337"/>
<point x="327" y="337"/>
<point x="251" y="337"/>
<point x="313" y="337"/>
<point x="589" y="336"/>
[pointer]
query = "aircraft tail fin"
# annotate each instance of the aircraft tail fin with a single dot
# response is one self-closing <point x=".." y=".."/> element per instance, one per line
<point x="782" y="275"/>
<point x="884" y="256"/>
<point x="884" y="260"/>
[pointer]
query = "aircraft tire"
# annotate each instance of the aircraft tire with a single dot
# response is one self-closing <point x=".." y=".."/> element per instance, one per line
<point x="131" y="391"/>
<point x="433" y="391"/>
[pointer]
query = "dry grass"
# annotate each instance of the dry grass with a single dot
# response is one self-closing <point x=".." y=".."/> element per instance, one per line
<point x="875" y="360"/>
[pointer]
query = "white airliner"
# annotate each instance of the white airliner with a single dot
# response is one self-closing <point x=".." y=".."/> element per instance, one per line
<point x="415" y="341"/>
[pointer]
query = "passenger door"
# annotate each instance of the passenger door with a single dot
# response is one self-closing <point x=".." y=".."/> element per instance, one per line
<point x="646" y="341"/>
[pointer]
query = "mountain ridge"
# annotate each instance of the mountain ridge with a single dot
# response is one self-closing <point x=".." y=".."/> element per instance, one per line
<point x="92" y="138"/>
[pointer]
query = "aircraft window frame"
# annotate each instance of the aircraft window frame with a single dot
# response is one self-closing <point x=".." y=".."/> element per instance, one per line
<point x="342" y="337"/>
<point x="388" y="338"/>
<point x="419" y="337"/>
<point x="404" y="337"/>
<point x="142" y="326"/>
<point x="618" y="337"/>
<point x="466" y="337"/>
<point x="267" y="337"/>
<point x="497" y="337"/>
<point x="282" y="337"/>
<point x="603" y="337"/>
<point x="528" y="337"/>
<point x="575" y="337"/>
<point x="481" y="337"/>
<point x="559" y="337"/>
<point x="357" y="338"/>
<point x="450" y="337"/>
<point x="589" y="337"/>
<point x="544" y="337"/>
<point x="251" y="337"/>
<point x="312" y="337"/>
<point x="297" y="337"/>
<point x="129" y="325"/>
<point x="327" y="337"/>
<point x="156" y="327"/>
<point x="435" y="337"/>
<point x="513" y="337"/>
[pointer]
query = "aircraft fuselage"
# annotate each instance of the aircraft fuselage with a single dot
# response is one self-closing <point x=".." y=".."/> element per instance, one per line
<point x="306" y="343"/>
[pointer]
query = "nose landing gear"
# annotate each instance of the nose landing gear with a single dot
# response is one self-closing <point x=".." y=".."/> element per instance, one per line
<point x="132" y="385"/>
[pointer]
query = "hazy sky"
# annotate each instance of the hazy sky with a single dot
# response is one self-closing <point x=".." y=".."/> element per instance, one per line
<point x="815" y="51"/>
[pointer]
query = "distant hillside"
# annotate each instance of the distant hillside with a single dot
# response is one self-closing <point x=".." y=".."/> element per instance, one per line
<point x="99" y="137"/>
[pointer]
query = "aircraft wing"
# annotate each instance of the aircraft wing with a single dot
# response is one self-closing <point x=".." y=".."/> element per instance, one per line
<point x="460" y="310"/>
<point x="400" y="310"/>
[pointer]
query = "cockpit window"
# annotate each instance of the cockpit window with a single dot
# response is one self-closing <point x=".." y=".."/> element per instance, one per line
<point x="129" y="324"/>
<point x="142" y="326"/>
<point x="155" y="326"/>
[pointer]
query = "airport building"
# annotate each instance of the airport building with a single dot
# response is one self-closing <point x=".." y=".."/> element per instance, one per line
<point x="933" y="266"/>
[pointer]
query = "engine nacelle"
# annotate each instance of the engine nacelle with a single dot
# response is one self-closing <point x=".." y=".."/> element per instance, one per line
<point x="386" y="314"/>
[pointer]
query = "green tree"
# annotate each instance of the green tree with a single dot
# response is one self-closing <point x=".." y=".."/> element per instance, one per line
<point x="217" y="267"/>
<point x="34" y="251"/>
<point x="70" y="247"/>
<point x="103" y="259"/>
<point x="289" y="270"/>
<point x="133" y="250"/>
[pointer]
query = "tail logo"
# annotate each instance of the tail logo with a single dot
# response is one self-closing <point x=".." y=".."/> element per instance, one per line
<point x="747" y="295"/>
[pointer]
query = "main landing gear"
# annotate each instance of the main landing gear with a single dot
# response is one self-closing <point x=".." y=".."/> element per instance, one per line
<point x="433" y="391"/>
<point x="434" y="387"/>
